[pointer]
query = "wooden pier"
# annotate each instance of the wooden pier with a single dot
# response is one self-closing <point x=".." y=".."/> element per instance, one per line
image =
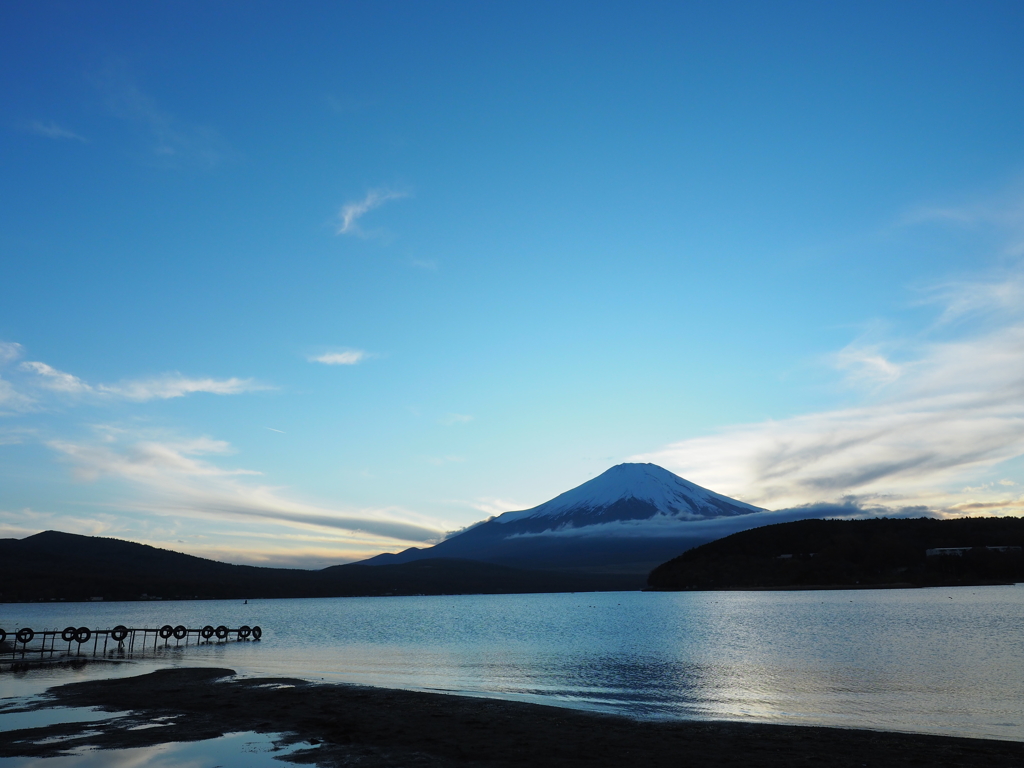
<point x="29" y="645"/>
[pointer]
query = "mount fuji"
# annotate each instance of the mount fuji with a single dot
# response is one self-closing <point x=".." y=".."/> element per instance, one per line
<point x="625" y="521"/>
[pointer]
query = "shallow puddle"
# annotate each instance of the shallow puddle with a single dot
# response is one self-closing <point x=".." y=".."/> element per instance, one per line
<point x="13" y="718"/>
<point x="233" y="750"/>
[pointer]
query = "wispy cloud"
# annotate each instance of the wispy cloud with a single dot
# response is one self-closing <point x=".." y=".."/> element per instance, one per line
<point x="173" y="385"/>
<point x="286" y="548"/>
<point x="454" y="418"/>
<point x="173" y="139"/>
<point x="173" y="477"/>
<point x="12" y="401"/>
<point x="10" y="351"/>
<point x="1004" y="213"/>
<point x="58" y="381"/>
<point x="998" y="294"/>
<point x="942" y="417"/>
<point x="866" y="365"/>
<point x="670" y="527"/>
<point x="352" y="212"/>
<point x="51" y="130"/>
<point x="15" y="435"/>
<point x="493" y="506"/>
<point x="164" y="387"/>
<point x="342" y="357"/>
<point x="27" y="521"/>
<point x="941" y="408"/>
<point x="35" y="378"/>
<point x="145" y="458"/>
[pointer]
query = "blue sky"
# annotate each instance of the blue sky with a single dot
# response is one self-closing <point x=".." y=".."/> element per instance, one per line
<point x="299" y="283"/>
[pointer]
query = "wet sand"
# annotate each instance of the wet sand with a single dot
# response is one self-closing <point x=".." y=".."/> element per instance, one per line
<point x="362" y="726"/>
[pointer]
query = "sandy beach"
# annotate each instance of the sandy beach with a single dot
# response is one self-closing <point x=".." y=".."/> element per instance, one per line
<point x="363" y="726"/>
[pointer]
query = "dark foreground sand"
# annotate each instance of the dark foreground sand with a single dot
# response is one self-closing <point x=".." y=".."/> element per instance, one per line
<point x="360" y="726"/>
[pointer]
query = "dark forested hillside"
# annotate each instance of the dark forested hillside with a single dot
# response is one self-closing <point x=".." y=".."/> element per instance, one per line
<point x="851" y="553"/>
<point x="64" y="566"/>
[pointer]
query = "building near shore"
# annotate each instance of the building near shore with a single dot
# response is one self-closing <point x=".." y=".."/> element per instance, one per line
<point x="961" y="551"/>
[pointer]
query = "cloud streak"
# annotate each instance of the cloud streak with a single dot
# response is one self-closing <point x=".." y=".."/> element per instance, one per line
<point x="1001" y="295"/>
<point x="344" y="357"/>
<point x="164" y="387"/>
<point x="493" y="506"/>
<point x="57" y="381"/>
<point x="10" y="351"/>
<point x="866" y="365"/>
<point x="33" y="379"/>
<point x="669" y="527"/>
<point x="173" y="385"/>
<point x="12" y="401"/>
<point x="173" y="139"/>
<point x="1004" y="214"/>
<point x="934" y="422"/>
<point x="174" y="478"/>
<point x="51" y="130"/>
<point x="352" y="212"/>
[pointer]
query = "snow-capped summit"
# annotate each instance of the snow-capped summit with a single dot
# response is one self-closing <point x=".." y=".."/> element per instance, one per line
<point x="635" y="491"/>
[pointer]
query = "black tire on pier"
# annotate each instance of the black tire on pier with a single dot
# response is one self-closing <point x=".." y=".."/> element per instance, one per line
<point x="25" y="636"/>
<point x="221" y="632"/>
<point x="3" y="635"/>
<point x="166" y="631"/>
<point x="180" y="632"/>
<point x="257" y="633"/>
<point x="82" y="635"/>
<point x="68" y="634"/>
<point x="119" y="633"/>
<point x="206" y="632"/>
<point x="244" y="631"/>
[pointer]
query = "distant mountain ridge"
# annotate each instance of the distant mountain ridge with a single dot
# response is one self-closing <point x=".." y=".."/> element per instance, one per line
<point x="853" y="553"/>
<point x="53" y="565"/>
<point x="607" y="533"/>
<point x="628" y="519"/>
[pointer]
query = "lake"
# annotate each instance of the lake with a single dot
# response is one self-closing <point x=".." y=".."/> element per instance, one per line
<point x="947" y="661"/>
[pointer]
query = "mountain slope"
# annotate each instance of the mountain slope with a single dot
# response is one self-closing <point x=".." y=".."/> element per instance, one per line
<point x="850" y="553"/>
<point x="63" y="566"/>
<point x="627" y="492"/>
<point x="626" y="520"/>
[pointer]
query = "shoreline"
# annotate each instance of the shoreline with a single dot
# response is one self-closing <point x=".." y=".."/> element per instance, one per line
<point x="836" y="587"/>
<point x="365" y="726"/>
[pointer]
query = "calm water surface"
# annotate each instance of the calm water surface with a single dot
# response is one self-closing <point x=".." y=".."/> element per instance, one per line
<point x="947" y="661"/>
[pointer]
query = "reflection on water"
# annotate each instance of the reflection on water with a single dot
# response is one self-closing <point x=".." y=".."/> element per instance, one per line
<point x="235" y="750"/>
<point x="940" y="660"/>
<point x="14" y="716"/>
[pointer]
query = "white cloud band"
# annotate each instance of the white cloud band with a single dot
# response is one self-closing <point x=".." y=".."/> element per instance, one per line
<point x="173" y="480"/>
<point x="164" y="387"/>
<point x="951" y="413"/>
<point x="344" y="357"/>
